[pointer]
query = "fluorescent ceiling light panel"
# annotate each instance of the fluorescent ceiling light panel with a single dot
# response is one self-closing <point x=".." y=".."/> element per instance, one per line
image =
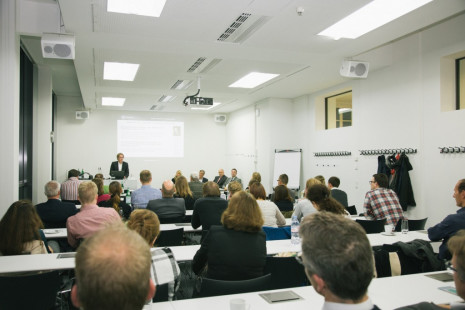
<point x="152" y="8"/>
<point x="119" y="71"/>
<point x="215" y="104"/>
<point x="370" y="17"/>
<point x="253" y="79"/>
<point x="111" y="101"/>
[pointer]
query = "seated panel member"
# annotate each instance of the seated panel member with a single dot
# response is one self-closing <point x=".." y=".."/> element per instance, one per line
<point x="220" y="179"/>
<point x="233" y="178"/>
<point x="120" y="165"/>
<point x="168" y="208"/>
<point x="141" y="196"/>
<point x="201" y="176"/>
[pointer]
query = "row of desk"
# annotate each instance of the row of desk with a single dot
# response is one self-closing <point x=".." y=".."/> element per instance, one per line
<point x="386" y="293"/>
<point x="25" y="263"/>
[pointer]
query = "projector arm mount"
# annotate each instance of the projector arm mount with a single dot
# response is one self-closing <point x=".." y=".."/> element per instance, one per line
<point x="187" y="99"/>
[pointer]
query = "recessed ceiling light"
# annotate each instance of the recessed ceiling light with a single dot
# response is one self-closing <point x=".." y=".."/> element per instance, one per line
<point x="370" y="17"/>
<point x="111" y="101"/>
<point x="215" y="104"/>
<point x="119" y="71"/>
<point x="253" y="79"/>
<point x="151" y="8"/>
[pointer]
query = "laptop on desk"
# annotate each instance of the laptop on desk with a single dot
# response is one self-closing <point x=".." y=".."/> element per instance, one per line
<point x="118" y="175"/>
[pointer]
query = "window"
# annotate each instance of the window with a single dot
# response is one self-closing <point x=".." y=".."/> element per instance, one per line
<point x="460" y="83"/>
<point x="338" y="110"/>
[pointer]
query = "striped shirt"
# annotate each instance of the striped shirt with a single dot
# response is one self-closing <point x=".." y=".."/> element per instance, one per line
<point x="383" y="203"/>
<point x="69" y="189"/>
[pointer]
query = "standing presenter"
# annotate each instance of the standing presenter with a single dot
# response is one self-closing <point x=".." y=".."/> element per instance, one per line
<point x="120" y="165"/>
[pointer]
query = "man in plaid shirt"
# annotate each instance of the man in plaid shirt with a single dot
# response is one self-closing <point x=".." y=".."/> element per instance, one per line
<point x="381" y="202"/>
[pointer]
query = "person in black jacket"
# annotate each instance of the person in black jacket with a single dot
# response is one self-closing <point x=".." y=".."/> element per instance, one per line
<point x="120" y="165"/>
<point x="237" y="249"/>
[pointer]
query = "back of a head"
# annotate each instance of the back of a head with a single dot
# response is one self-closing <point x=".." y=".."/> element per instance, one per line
<point x="20" y="224"/>
<point x="456" y="246"/>
<point x="145" y="176"/>
<point x="256" y="177"/>
<point x="334" y="181"/>
<point x="99" y="183"/>
<point x="73" y="173"/>
<point x="145" y="223"/>
<point x="321" y="179"/>
<point x="257" y="190"/>
<point x="310" y="182"/>
<point x="195" y="177"/>
<point x="243" y="213"/>
<point x="210" y="189"/>
<point x="167" y="189"/>
<point x="87" y="191"/>
<point x="113" y="270"/>
<point x="320" y="194"/>
<point x="284" y="179"/>
<point x="281" y="193"/>
<point x="98" y="176"/>
<point x="338" y="251"/>
<point x="234" y="187"/>
<point x="51" y="189"/>
<point x="182" y="187"/>
<point x="381" y="179"/>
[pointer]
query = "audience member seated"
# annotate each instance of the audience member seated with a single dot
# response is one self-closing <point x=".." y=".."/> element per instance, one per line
<point x="69" y="188"/>
<point x="90" y="217"/>
<point x="183" y="191"/>
<point x="304" y="206"/>
<point x="336" y="193"/>
<point x="121" y="207"/>
<point x="233" y="188"/>
<point x="209" y="209"/>
<point x="282" y="198"/>
<point x="237" y="249"/>
<point x="105" y="280"/>
<point x="176" y="176"/>
<point x="54" y="212"/>
<point x="196" y="186"/>
<point x="271" y="215"/>
<point x="381" y="202"/>
<point x="338" y="260"/>
<point x="164" y="269"/>
<point x="168" y="208"/>
<point x="452" y="223"/>
<point x="220" y="179"/>
<point x="141" y="196"/>
<point x="20" y="231"/>
<point x="321" y="199"/>
<point x="101" y="195"/>
<point x="201" y="176"/>
<point x="105" y="187"/>
<point x="256" y="177"/>
<point x="283" y="179"/>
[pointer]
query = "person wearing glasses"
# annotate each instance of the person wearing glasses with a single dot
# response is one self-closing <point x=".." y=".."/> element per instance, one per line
<point x="342" y="279"/>
<point x="382" y="202"/>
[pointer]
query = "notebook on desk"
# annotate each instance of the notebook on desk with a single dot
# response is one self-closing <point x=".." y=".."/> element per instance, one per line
<point x="66" y="255"/>
<point x="443" y="276"/>
<point x="280" y="296"/>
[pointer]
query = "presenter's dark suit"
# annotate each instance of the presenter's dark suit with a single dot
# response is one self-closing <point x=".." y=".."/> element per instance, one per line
<point x="169" y="210"/>
<point x="220" y="181"/>
<point x="54" y="212"/>
<point x="125" y="167"/>
<point x="340" y="196"/>
<point x="231" y="254"/>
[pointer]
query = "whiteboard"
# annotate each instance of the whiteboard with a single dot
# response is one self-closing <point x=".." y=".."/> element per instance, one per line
<point x="288" y="162"/>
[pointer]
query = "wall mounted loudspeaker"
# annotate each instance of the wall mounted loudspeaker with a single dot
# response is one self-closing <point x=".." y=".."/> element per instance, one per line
<point x="354" y="69"/>
<point x="82" y="114"/>
<point x="220" y="118"/>
<point x="58" y="45"/>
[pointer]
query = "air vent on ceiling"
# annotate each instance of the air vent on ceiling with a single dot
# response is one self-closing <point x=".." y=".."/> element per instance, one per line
<point x="166" y="98"/>
<point x="242" y="28"/>
<point x="157" y="107"/>
<point x="182" y="84"/>
<point x="203" y="65"/>
<point x="196" y="64"/>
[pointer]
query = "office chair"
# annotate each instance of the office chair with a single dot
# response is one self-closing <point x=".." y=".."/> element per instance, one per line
<point x="211" y="287"/>
<point x="372" y="226"/>
<point x="285" y="272"/>
<point x="352" y="210"/>
<point x="412" y="224"/>
<point x="173" y="237"/>
<point x="277" y="233"/>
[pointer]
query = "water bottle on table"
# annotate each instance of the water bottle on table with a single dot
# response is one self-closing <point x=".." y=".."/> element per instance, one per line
<point x="295" y="230"/>
<point x="404" y="226"/>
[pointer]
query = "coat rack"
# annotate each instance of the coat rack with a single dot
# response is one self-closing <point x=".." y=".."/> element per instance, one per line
<point x="337" y="153"/>
<point x="452" y="149"/>
<point x="388" y="151"/>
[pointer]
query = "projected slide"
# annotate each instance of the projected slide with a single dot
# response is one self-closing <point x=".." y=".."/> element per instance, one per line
<point x="150" y="138"/>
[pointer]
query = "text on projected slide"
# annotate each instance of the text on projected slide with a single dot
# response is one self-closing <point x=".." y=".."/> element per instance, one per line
<point x="150" y="138"/>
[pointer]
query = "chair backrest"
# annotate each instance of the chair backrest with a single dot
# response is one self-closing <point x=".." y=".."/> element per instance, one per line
<point x="171" y="237"/>
<point x="211" y="287"/>
<point x="352" y="210"/>
<point x="412" y="224"/>
<point x="372" y="226"/>
<point x="277" y="233"/>
<point x="285" y="272"/>
<point x="37" y="291"/>
<point x="161" y="294"/>
<point x="171" y="220"/>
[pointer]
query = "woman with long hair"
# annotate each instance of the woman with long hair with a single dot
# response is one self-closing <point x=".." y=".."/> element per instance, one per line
<point x="304" y="206"/>
<point x="20" y="230"/>
<point x="237" y="249"/>
<point x="183" y="191"/>
<point x="320" y="197"/>
<point x="101" y="193"/>
<point x="271" y="214"/>
<point x="123" y="209"/>
<point x="282" y="198"/>
<point x="164" y="269"/>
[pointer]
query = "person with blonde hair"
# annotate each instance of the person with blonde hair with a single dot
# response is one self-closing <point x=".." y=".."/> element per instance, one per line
<point x="183" y="191"/>
<point x="271" y="215"/>
<point x="21" y="230"/>
<point x="176" y="176"/>
<point x="237" y="249"/>
<point x="165" y="269"/>
<point x="123" y="209"/>
<point x="304" y="206"/>
<point x="234" y="187"/>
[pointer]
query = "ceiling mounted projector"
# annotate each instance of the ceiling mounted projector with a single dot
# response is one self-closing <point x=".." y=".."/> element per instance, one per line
<point x="354" y="69"/>
<point x="57" y="45"/>
<point x="191" y="100"/>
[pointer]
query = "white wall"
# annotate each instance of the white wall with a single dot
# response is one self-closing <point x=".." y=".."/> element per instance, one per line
<point x="90" y="144"/>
